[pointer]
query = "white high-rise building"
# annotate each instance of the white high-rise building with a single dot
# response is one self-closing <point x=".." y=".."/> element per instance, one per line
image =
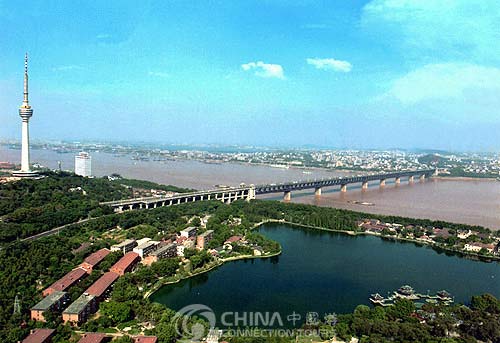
<point x="83" y="164"/>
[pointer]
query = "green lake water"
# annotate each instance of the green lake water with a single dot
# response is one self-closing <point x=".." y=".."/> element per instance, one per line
<point x="326" y="272"/>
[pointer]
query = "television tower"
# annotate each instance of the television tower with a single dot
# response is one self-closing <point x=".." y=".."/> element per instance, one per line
<point x="25" y="112"/>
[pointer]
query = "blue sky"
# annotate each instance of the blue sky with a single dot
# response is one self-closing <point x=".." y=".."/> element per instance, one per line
<point x="361" y="74"/>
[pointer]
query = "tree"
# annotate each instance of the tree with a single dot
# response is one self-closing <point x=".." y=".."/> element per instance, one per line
<point x="166" y="333"/>
<point x="119" y="312"/>
<point x="123" y="339"/>
<point x="401" y="309"/>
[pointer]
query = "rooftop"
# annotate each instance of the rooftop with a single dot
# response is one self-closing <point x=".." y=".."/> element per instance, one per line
<point x="164" y="248"/>
<point x="79" y="304"/>
<point x="49" y="300"/>
<point x="146" y="245"/>
<point x="189" y="229"/>
<point x="39" y="335"/>
<point x="125" y="243"/>
<point x="126" y="261"/>
<point x="143" y="240"/>
<point x="69" y="279"/>
<point x="233" y="239"/>
<point x="206" y="233"/>
<point x="97" y="257"/>
<point x="102" y="284"/>
<point x="93" y="337"/>
<point x="145" y="339"/>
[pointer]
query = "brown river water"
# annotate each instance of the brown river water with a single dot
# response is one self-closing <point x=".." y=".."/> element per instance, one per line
<point x="475" y="202"/>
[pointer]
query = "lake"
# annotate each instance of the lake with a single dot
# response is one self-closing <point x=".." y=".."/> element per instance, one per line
<point x="327" y="272"/>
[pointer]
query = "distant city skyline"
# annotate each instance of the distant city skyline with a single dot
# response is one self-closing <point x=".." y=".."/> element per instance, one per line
<point x="349" y="74"/>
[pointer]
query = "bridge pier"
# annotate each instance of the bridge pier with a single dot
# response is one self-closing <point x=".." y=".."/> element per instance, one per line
<point x="422" y="177"/>
<point x="364" y="185"/>
<point x="382" y="182"/>
<point x="410" y="179"/>
<point x="343" y="188"/>
<point x="317" y="191"/>
<point x="251" y="193"/>
<point x="287" y="196"/>
<point x="397" y="181"/>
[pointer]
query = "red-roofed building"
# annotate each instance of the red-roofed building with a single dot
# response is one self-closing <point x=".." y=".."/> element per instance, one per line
<point x="145" y="339"/>
<point x="40" y="336"/>
<point x="126" y="263"/>
<point x="94" y="259"/>
<point x="102" y="285"/>
<point x="180" y="239"/>
<point x="233" y="239"/>
<point x="66" y="281"/>
<point x="94" y="337"/>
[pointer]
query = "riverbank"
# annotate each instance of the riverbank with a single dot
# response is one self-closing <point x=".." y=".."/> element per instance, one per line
<point x="464" y="178"/>
<point x="212" y="266"/>
<point x="461" y="253"/>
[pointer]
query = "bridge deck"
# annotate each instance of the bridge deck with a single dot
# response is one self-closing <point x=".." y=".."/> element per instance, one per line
<point x="308" y="184"/>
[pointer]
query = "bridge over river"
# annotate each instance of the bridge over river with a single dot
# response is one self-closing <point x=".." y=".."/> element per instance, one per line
<point x="230" y="194"/>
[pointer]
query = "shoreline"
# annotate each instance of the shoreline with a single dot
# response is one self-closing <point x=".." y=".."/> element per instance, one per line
<point x="464" y="178"/>
<point x="293" y="167"/>
<point x="217" y="264"/>
<point x="462" y="254"/>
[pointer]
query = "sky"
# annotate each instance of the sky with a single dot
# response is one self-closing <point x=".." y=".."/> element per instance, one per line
<point x="341" y="74"/>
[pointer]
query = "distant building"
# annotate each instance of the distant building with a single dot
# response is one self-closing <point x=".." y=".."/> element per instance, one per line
<point x="233" y="239"/>
<point x="188" y="232"/>
<point x="83" y="164"/>
<point x="40" y="336"/>
<point x="143" y="240"/>
<point x="477" y="246"/>
<point x="53" y="302"/>
<point x="203" y="239"/>
<point x="145" y="249"/>
<point x="94" y="337"/>
<point x="125" y="246"/>
<point x="7" y="165"/>
<point x="126" y="263"/>
<point x="145" y="339"/>
<point x="180" y="250"/>
<point x="80" y="310"/>
<point x="94" y="259"/>
<point x="166" y="251"/>
<point x="66" y="281"/>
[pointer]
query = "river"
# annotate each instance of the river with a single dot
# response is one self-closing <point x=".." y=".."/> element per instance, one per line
<point x="475" y="202"/>
<point x="326" y="272"/>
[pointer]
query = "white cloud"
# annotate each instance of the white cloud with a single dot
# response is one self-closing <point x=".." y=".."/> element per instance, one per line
<point x="330" y="64"/>
<point x="67" y="68"/>
<point x="314" y="26"/>
<point x="445" y="81"/>
<point x="158" y="74"/>
<point x="103" y="36"/>
<point x="451" y="29"/>
<point x="266" y="70"/>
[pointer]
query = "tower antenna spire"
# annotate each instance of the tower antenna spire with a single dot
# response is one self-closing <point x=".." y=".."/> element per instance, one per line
<point x="25" y="101"/>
